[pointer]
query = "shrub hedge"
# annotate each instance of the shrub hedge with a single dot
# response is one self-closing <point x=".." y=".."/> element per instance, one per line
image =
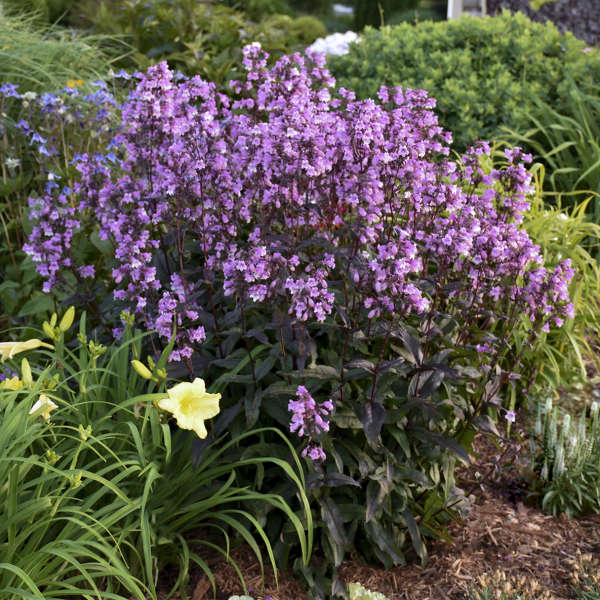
<point x="482" y="72"/>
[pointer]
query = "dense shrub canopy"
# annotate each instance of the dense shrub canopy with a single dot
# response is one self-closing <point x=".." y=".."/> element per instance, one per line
<point x="328" y="249"/>
<point x="482" y="72"/>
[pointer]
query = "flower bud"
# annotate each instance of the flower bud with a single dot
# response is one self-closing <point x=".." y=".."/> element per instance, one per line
<point x="84" y="433"/>
<point x="51" y="457"/>
<point x="141" y="369"/>
<point x="49" y="331"/>
<point x="26" y="372"/>
<point x="67" y="320"/>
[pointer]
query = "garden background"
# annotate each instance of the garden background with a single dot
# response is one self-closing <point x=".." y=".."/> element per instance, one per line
<point x="299" y="299"/>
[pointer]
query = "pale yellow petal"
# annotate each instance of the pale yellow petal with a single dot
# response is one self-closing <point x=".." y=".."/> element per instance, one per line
<point x="191" y="405"/>
<point x="194" y="423"/>
<point x="208" y="405"/>
<point x="9" y="349"/>
<point x="168" y="404"/>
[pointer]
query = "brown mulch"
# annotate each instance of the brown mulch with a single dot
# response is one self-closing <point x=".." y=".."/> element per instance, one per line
<point x="501" y="533"/>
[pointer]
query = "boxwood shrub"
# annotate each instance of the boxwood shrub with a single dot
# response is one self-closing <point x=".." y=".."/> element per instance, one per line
<point x="483" y="72"/>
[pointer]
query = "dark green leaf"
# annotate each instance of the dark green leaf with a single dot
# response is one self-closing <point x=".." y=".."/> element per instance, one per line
<point x="415" y="535"/>
<point x="412" y="345"/>
<point x="321" y="372"/>
<point x="360" y="364"/>
<point x="372" y="417"/>
<point x="332" y="516"/>
<point x="376" y="495"/>
<point x="258" y="334"/>
<point x="430" y="384"/>
<point x="264" y="367"/>
<point x="39" y="304"/>
<point x="339" y="479"/>
<point x="445" y="442"/>
<point x="385" y="542"/>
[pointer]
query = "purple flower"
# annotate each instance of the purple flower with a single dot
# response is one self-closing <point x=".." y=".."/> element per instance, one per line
<point x="296" y="195"/>
<point x="510" y="416"/>
<point x="308" y="420"/>
<point x="9" y="90"/>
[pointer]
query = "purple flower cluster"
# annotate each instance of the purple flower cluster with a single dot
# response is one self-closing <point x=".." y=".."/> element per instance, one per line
<point x="53" y="127"/>
<point x="54" y="233"/>
<point x="308" y="420"/>
<point x="7" y="373"/>
<point x="293" y="194"/>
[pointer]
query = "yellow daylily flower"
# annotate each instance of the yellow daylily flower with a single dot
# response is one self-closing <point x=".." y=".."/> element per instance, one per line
<point x="45" y="403"/>
<point x="9" y="349"/>
<point x="74" y="83"/>
<point x="11" y="384"/>
<point x="191" y="405"/>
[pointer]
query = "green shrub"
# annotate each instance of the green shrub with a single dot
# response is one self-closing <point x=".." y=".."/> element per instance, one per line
<point x="568" y="142"/>
<point x="258" y="9"/>
<point x="99" y="492"/>
<point x="197" y="38"/>
<point x="482" y="72"/>
<point x="559" y="359"/>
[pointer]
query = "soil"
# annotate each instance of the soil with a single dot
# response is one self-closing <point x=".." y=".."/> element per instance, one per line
<point x="502" y="537"/>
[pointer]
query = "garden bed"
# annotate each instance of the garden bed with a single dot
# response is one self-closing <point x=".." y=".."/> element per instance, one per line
<point x="500" y="533"/>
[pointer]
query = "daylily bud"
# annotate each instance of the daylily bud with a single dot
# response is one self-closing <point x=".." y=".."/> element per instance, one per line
<point x="49" y="330"/>
<point x="26" y="372"/>
<point x="75" y="480"/>
<point x="67" y="320"/>
<point x="51" y="457"/>
<point x="53" y="320"/>
<point x="141" y="369"/>
<point x="85" y="433"/>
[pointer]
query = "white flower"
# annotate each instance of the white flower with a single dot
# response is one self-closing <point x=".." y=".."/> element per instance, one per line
<point x="336" y="43"/>
<point x="44" y="403"/>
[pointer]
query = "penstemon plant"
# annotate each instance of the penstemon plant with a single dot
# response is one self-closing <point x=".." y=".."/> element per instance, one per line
<point x="331" y="250"/>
